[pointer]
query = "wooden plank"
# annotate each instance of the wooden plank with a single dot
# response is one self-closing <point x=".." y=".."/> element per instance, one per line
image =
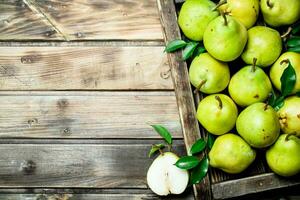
<point x="251" y="185"/>
<point x="17" y="21"/>
<point x="185" y="101"/>
<point x="87" y="114"/>
<point x="78" y="68"/>
<point x="80" y="20"/>
<point x="76" y="165"/>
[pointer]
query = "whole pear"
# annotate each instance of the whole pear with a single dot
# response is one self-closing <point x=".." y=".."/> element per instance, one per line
<point x="164" y="177"/>
<point x="231" y="154"/>
<point x="280" y="12"/>
<point x="279" y="66"/>
<point x="225" y="38"/>
<point x="264" y="44"/>
<point x="245" y="11"/>
<point x="283" y="157"/>
<point x="289" y="116"/>
<point x="208" y="74"/>
<point x="249" y="85"/>
<point x="259" y="125"/>
<point x="217" y="113"/>
<point x="194" y="16"/>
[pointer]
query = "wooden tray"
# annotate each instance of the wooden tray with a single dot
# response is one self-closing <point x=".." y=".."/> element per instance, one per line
<point x="217" y="184"/>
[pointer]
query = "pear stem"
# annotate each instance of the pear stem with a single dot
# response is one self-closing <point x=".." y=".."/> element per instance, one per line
<point x="285" y="61"/>
<point x="199" y="86"/>
<point x="222" y="2"/>
<point x="220" y="102"/>
<point x="225" y="19"/>
<point x="288" y="137"/>
<point x="161" y="151"/>
<point x="269" y="4"/>
<point x="287" y="32"/>
<point x="254" y="65"/>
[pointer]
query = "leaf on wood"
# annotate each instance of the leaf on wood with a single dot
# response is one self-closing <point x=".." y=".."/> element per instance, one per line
<point x="198" y="146"/>
<point x="163" y="132"/>
<point x="199" y="172"/>
<point x="210" y="141"/>
<point x="175" y="45"/>
<point x="187" y="162"/>
<point x="189" y="50"/>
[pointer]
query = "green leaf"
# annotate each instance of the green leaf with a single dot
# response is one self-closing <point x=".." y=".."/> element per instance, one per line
<point x="175" y="45"/>
<point x="293" y="42"/>
<point x="210" y="141"/>
<point x="187" y="162"/>
<point x="294" y="49"/>
<point x="199" y="172"/>
<point x="188" y="50"/>
<point x="200" y="49"/>
<point x="296" y="28"/>
<point x="155" y="148"/>
<point x="198" y="146"/>
<point x="298" y="94"/>
<point x="272" y="99"/>
<point x="278" y="103"/>
<point x="163" y="132"/>
<point x="288" y="80"/>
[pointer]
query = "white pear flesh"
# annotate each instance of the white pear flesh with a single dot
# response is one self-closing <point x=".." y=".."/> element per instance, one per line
<point x="165" y="178"/>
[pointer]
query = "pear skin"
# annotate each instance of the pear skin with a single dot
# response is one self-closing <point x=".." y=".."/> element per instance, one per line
<point x="280" y="65"/>
<point x="283" y="157"/>
<point x="194" y="16"/>
<point x="231" y="154"/>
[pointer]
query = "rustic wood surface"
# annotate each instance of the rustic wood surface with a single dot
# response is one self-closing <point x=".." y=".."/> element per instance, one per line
<point x="79" y="20"/>
<point x="76" y="165"/>
<point x="87" y="114"/>
<point x="90" y="68"/>
<point x="185" y="101"/>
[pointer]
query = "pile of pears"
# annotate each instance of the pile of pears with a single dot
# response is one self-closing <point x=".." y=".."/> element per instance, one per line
<point x="243" y="65"/>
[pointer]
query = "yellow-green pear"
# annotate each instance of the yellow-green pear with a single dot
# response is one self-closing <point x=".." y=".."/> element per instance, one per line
<point x="208" y="74"/>
<point x="164" y="178"/>
<point x="283" y="157"/>
<point x="280" y="12"/>
<point x="225" y="38"/>
<point x="194" y="16"/>
<point x="279" y="66"/>
<point x="264" y="44"/>
<point x="289" y="116"/>
<point x="231" y="154"/>
<point x="246" y="11"/>
<point x="258" y="124"/>
<point x="249" y="85"/>
<point x="217" y="113"/>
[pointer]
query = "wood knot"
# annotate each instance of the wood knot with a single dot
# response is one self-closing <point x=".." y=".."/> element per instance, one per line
<point x="50" y="33"/>
<point x="67" y="131"/>
<point x="32" y="121"/>
<point x="79" y="35"/>
<point x="165" y="74"/>
<point x="62" y="103"/>
<point x="28" y="166"/>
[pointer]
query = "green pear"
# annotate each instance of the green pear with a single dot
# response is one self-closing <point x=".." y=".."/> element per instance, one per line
<point x="217" y="113"/>
<point x="264" y="44"/>
<point x="231" y="154"/>
<point x="245" y="11"/>
<point x="279" y="66"/>
<point x="194" y="16"/>
<point x="225" y="38"/>
<point x="283" y="157"/>
<point x="280" y="12"/>
<point x="249" y="85"/>
<point x="164" y="178"/>
<point x="208" y="74"/>
<point x="289" y="116"/>
<point x="259" y="125"/>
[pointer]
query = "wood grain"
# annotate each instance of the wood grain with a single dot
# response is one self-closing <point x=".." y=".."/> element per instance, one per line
<point x="75" y="165"/>
<point x="185" y="101"/>
<point x="80" y="20"/>
<point x="78" y="68"/>
<point x="87" y="114"/>
<point x="251" y="185"/>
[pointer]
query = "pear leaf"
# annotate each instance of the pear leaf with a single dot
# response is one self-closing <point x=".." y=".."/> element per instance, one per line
<point x="187" y="162"/>
<point x="296" y="28"/>
<point x="155" y="148"/>
<point x="199" y="172"/>
<point x="189" y="50"/>
<point x="198" y="146"/>
<point x="272" y="99"/>
<point x="210" y="141"/>
<point x="200" y="49"/>
<point x="294" y="49"/>
<point x="279" y="103"/>
<point x="293" y="41"/>
<point x="163" y="132"/>
<point x="298" y="94"/>
<point x="288" y="80"/>
<point x="175" y="45"/>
